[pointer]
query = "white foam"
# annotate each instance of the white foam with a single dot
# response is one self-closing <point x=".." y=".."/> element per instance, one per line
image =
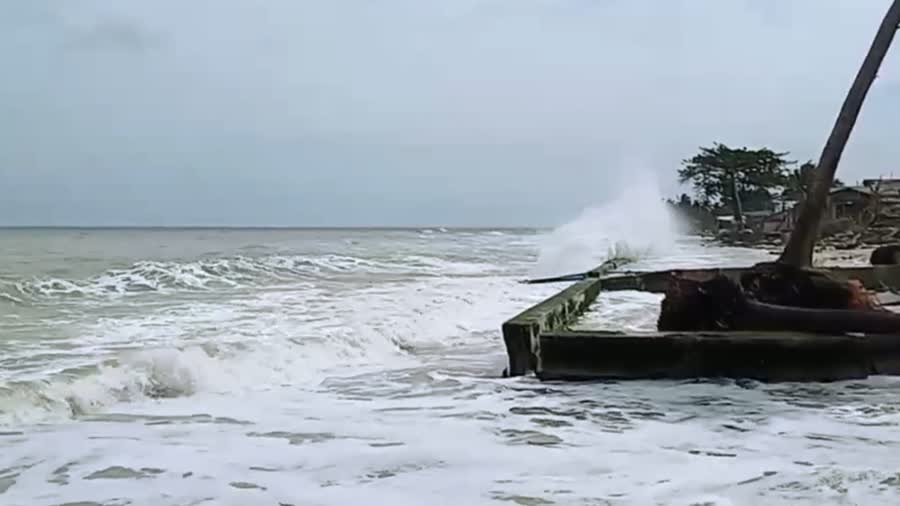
<point x="636" y="223"/>
<point x="211" y="274"/>
<point x="353" y="387"/>
<point x="291" y="335"/>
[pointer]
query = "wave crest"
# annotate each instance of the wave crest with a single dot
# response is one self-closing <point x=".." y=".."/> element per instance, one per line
<point x="209" y="274"/>
<point x="161" y="373"/>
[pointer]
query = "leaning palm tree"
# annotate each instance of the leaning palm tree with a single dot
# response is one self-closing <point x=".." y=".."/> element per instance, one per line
<point x="799" y="249"/>
<point x="795" y="297"/>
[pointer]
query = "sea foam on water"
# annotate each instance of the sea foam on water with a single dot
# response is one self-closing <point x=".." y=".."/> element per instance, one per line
<point x="310" y="382"/>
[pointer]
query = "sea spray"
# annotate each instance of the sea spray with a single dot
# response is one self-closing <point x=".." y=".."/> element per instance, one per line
<point x="636" y="223"/>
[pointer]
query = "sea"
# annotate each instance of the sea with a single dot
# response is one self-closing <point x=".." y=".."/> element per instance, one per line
<point x="364" y="366"/>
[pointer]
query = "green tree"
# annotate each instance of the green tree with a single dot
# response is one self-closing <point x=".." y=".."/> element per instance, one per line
<point x="736" y="178"/>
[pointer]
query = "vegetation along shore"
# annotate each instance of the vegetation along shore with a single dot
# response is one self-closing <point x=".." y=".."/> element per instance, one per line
<point x="751" y="197"/>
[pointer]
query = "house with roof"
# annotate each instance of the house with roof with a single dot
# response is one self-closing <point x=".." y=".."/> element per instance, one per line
<point x="848" y="205"/>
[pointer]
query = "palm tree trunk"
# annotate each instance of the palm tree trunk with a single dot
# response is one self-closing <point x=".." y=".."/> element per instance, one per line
<point x="799" y="249"/>
<point x="736" y="208"/>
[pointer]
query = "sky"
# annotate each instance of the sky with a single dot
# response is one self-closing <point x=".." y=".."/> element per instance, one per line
<point x="411" y="112"/>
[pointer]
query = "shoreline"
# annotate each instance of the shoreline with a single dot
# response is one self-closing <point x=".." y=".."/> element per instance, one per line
<point x="828" y="252"/>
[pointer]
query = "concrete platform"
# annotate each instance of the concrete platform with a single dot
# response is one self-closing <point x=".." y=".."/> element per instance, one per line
<point x="877" y="277"/>
<point x="540" y="339"/>
<point x="520" y="333"/>
<point x="771" y="357"/>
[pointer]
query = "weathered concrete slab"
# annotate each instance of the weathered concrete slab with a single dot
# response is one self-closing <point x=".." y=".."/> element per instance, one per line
<point x="521" y="332"/>
<point x="539" y="340"/>
<point x="876" y="277"/>
<point x="764" y="356"/>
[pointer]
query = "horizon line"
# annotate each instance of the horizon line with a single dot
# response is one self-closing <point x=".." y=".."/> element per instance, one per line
<point x="269" y="227"/>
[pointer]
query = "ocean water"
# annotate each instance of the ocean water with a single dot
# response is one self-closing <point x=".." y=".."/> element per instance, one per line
<point x="331" y="367"/>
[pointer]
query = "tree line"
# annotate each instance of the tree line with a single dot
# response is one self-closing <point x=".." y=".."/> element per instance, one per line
<point x="743" y="179"/>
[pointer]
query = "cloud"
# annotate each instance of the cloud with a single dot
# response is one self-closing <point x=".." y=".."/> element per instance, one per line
<point x="401" y="111"/>
<point x="112" y="34"/>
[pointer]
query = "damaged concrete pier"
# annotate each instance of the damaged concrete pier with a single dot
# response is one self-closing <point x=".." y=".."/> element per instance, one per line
<point x="521" y="333"/>
<point x="541" y="339"/>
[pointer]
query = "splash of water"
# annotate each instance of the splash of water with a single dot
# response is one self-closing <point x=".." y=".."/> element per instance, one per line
<point x="636" y="224"/>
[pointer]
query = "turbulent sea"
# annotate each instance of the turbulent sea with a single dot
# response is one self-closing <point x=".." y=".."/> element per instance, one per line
<point x="332" y="367"/>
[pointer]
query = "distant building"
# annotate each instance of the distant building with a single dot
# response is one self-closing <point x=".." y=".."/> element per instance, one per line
<point x="780" y="222"/>
<point x="752" y="219"/>
<point x="883" y="185"/>
<point x="849" y="202"/>
<point x="847" y="207"/>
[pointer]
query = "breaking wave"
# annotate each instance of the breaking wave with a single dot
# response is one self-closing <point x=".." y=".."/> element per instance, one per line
<point x="263" y="339"/>
<point x="164" y="373"/>
<point x="172" y="372"/>
<point x="635" y="225"/>
<point x="92" y="335"/>
<point x="216" y="273"/>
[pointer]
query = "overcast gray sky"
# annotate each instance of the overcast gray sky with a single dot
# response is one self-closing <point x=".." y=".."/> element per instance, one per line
<point x="407" y="112"/>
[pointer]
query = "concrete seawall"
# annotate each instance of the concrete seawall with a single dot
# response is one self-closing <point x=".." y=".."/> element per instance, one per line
<point x="872" y="277"/>
<point x="763" y="356"/>
<point x="539" y="339"/>
<point x="521" y="333"/>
